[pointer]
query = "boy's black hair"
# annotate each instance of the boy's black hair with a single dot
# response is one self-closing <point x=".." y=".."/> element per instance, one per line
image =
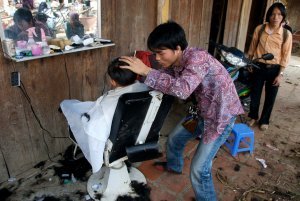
<point x="23" y="14"/>
<point x="122" y="76"/>
<point x="282" y="9"/>
<point x="167" y="35"/>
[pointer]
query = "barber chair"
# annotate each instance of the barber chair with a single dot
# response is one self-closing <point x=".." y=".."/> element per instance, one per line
<point x="134" y="137"/>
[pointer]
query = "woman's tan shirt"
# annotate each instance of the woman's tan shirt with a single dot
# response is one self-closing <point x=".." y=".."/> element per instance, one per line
<point x="271" y="43"/>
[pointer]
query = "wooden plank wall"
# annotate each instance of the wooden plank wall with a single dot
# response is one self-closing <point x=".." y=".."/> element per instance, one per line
<point x="128" y="23"/>
<point x="231" y="24"/>
<point x="195" y="18"/>
<point x="47" y="82"/>
<point x="293" y="9"/>
<point x="78" y="75"/>
<point x="243" y="24"/>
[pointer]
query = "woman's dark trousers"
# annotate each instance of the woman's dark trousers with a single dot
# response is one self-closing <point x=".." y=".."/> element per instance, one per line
<point x="264" y="76"/>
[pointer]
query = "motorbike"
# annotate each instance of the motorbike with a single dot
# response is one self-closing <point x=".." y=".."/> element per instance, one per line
<point x="238" y="65"/>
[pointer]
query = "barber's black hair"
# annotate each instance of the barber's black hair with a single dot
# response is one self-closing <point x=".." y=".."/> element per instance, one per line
<point x="167" y="35"/>
<point x="282" y="9"/>
<point x="23" y="14"/>
<point x="122" y="76"/>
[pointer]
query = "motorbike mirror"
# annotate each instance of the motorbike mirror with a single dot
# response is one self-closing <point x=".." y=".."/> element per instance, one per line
<point x="238" y="53"/>
<point x="267" y="56"/>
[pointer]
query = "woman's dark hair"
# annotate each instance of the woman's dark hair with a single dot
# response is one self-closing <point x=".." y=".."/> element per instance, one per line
<point x="23" y="14"/>
<point x="122" y="76"/>
<point x="167" y="35"/>
<point x="282" y="9"/>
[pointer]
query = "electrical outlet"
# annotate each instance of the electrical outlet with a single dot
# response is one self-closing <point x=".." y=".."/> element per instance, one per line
<point x="15" y="79"/>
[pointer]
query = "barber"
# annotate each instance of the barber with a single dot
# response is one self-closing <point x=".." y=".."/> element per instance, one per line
<point x="188" y="71"/>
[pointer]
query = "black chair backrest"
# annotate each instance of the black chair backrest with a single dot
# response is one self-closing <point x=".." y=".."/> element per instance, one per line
<point x="128" y="120"/>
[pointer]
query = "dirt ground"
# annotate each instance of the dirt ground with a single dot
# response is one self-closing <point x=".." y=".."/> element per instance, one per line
<point x="235" y="178"/>
<point x="279" y="146"/>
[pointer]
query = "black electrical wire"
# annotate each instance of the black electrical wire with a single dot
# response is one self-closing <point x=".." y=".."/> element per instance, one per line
<point x="68" y="78"/>
<point x="104" y="83"/>
<point x="47" y="148"/>
<point x="29" y="101"/>
<point x="6" y="166"/>
<point x="23" y="90"/>
<point x="25" y="94"/>
<point x="14" y="67"/>
<point x="22" y="87"/>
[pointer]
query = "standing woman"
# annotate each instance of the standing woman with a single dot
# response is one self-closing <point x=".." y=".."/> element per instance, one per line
<point x="191" y="71"/>
<point x="269" y="38"/>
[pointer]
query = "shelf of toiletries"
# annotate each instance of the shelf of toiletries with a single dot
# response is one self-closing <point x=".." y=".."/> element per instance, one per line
<point x="57" y="51"/>
<point x="27" y="58"/>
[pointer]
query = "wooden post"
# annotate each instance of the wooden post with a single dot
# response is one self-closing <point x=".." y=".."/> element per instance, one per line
<point x="232" y="22"/>
<point x="243" y="24"/>
<point x="163" y="7"/>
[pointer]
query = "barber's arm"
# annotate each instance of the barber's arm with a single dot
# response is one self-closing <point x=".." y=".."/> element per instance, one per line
<point x="181" y="86"/>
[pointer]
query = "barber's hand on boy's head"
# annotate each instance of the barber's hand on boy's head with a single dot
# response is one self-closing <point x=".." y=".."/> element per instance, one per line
<point x="135" y="65"/>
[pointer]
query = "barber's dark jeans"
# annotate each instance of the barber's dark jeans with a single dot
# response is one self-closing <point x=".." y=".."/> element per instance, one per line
<point x="264" y="76"/>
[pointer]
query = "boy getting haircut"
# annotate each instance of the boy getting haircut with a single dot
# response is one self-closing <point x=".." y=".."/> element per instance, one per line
<point x="90" y="121"/>
<point x="123" y="77"/>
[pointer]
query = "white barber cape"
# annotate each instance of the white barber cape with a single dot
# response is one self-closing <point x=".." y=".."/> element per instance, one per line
<point x="91" y="135"/>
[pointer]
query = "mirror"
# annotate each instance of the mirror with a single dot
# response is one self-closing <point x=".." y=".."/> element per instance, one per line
<point x="53" y="20"/>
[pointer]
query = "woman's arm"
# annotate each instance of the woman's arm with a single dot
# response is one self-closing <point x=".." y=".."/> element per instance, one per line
<point x="286" y="52"/>
<point x="285" y="57"/>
